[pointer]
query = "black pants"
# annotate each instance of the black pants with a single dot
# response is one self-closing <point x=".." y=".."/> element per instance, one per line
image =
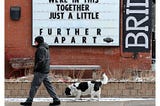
<point x="36" y="82"/>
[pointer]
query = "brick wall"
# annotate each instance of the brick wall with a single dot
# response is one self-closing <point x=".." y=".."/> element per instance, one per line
<point x="112" y="59"/>
<point x="112" y="89"/>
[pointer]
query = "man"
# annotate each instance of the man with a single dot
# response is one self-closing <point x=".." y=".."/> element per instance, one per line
<point x="41" y="70"/>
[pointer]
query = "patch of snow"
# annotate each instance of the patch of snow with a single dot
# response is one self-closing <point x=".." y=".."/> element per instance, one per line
<point x="73" y="99"/>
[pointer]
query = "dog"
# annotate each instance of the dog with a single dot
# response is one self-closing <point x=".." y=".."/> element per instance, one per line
<point x="92" y="88"/>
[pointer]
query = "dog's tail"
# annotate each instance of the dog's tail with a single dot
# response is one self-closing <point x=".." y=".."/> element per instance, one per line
<point x="105" y="79"/>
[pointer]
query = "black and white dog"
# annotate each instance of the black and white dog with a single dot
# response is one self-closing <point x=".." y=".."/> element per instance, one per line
<point x="92" y="88"/>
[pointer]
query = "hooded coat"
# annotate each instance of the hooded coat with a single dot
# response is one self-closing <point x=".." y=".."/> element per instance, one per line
<point x="42" y="58"/>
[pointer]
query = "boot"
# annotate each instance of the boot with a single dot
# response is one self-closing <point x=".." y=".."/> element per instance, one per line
<point x="55" y="103"/>
<point x="26" y="103"/>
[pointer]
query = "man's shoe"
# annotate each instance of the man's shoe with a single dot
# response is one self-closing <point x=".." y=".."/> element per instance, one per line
<point x="26" y="103"/>
<point x="55" y="103"/>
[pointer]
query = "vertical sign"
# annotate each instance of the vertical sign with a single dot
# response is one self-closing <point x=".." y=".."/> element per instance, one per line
<point x="137" y="25"/>
<point x="76" y="22"/>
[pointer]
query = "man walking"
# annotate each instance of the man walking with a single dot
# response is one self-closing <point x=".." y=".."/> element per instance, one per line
<point x="41" y="70"/>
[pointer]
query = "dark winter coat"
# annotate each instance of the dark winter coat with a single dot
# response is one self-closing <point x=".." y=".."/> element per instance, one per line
<point x="42" y="59"/>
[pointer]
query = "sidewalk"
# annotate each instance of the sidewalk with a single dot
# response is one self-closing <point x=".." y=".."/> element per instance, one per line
<point x="86" y="102"/>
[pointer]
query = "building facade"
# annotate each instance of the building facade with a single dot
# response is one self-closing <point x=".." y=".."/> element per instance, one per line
<point x="131" y="48"/>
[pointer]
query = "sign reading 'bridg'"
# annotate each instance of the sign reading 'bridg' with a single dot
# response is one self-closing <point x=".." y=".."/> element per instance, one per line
<point x="76" y="22"/>
<point x="137" y="25"/>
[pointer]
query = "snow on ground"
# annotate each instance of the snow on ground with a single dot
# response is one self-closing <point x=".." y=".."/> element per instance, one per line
<point x="73" y="99"/>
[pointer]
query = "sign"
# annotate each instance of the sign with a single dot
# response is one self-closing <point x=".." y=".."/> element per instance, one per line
<point x="76" y="22"/>
<point x="137" y="25"/>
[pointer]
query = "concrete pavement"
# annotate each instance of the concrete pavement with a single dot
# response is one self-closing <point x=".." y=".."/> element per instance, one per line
<point x="107" y="102"/>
